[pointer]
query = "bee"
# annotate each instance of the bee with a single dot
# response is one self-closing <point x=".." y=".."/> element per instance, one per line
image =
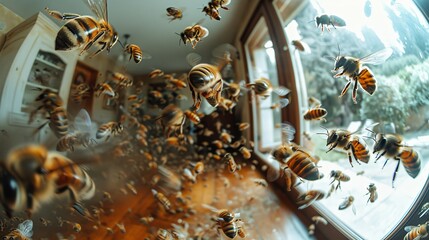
<point x="309" y="197"/>
<point x="188" y="175"/>
<point x="353" y="69"/>
<point x="348" y="201"/>
<point x="260" y="181"/>
<point x="121" y="80"/>
<point x="212" y="12"/>
<point x="372" y="191"/>
<point x="326" y="20"/>
<point x="163" y="234"/>
<point x="80" y="92"/>
<point x="24" y="231"/>
<point x="225" y="137"/>
<point x="84" y="31"/>
<point x="303" y="165"/>
<point x="81" y="137"/>
<point x="205" y="80"/>
<point x="416" y="232"/>
<point x="229" y="160"/>
<point x="131" y="188"/>
<point x="106" y="89"/>
<point x="282" y="152"/>
<point x="108" y="129"/>
<point x="192" y="116"/>
<point x="193" y="34"/>
<point x="353" y="145"/>
<point x="172" y="119"/>
<point x="198" y="167"/>
<point x="246" y="153"/>
<point x="52" y="104"/>
<point x="174" y="13"/>
<point x="227" y="221"/>
<point x="219" y="4"/>
<point x="340" y="177"/>
<point x="156" y="73"/>
<point x="162" y="199"/>
<point x="146" y="220"/>
<point x="233" y="90"/>
<point x="316" y="114"/>
<point x="178" y="83"/>
<point x="301" y="46"/>
<point x="31" y="175"/>
<point x="135" y="52"/>
<point x="262" y="87"/>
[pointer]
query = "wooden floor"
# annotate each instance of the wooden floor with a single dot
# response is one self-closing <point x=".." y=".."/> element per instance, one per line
<point x="264" y="210"/>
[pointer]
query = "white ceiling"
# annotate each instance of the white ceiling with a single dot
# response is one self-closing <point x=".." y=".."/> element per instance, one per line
<point x="149" y="27"/>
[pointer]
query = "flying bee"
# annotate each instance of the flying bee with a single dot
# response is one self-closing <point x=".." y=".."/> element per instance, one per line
<point x="224" y="214"/>
<point x="243" y="126"/>
<point x="219" y="4"/>
<point x="134" y="51"/>
<point x="192" y="116"/>
<point x="85" y="31"/>
<point x="233" y="90"/>
<point x="262" y="87"/>
<point x="416" y="232"/>
<point x="174" y="13"/>
<point x="121" y="80"/>
<point x="245" y="152"/>
<point x="303" y="165"/>
<point x="372" y="191"/>
<point x="156" y="73"/>
<point x="225" y="137"/>
<point x="301" y="46"/>
<point x="227" y="221"/>
<point x="205" y="80"/>
<point x="212" y="12"/>
<point x="326" y="20"/>
<point x="172" y="119"/>
<point x="108" y="129"/>
<point x="315" y="114"/>
<point x="339" y="176"/>
<point x="146" y="220"/>
<point x="229" y="160"/>
<point x="198" y="167"/>
<point x="193" y="34"/>
<point x="80" y="92"/>
<point x="348" y="201"/>
<point x="31" y="175"/>
<point x="162" y="199"/>
<point x="178" y="83"/>
<point x="82" y="135"/>
<point x="353" y="69"/>
<point x="106" y="89"/>
<point x="353" y="145"/>
<point x="309" y="197"/>
<point x="24" y="231"/>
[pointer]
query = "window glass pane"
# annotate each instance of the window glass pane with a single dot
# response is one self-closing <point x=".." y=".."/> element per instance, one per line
<point x="400" y="103"/>
<point x="262" y="64"/>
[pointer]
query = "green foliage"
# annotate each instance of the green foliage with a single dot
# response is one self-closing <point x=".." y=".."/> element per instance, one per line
<point x="386" y="105"/>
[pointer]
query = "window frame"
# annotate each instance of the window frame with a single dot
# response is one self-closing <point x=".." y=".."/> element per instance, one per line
<point x="292" y="80"/>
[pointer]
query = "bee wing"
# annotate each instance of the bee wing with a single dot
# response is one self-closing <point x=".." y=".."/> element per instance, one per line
<point x="281" y="90"/>
<point x="409" y="228"/>
<point x="26" y="228"/>
<point x="378" y="57"/>
<point x="82" y="121"/>
<point x="337" y="21"/>
<point x="273" y="172"/>
<point x="289" y="131"/>
<point x="98" y="7"/>
<point x="284" y="102"/>
<point x="354" y="209"/>
<point x="210" y="207"/>
<point x="193" y="59"/>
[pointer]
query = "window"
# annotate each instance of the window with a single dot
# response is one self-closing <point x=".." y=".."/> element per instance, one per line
<point x="400" y="104"/>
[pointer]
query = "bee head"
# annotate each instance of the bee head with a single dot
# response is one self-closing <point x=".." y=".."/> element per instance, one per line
<point x="332" y="137"/>
<point x="333" y="174"/>
<point x="339" y="62"/>
<point x="380" y="143"/>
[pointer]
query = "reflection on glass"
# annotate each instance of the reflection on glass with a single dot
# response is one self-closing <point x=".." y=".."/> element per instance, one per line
<point x="400" y="105"/>
<point x="263" y="65"/>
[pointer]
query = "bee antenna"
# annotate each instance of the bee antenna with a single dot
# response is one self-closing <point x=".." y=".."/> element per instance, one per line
<point x="312" y="21"/>
<point x="325" y="129"/>
<point x="122" y="45"/>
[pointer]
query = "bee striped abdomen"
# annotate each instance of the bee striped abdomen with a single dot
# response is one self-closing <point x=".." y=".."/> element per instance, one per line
<point x="76" y="32"/>
<point x="58" y="122"/>
<point x="302" y="166"/>
<point x="367" y="80"/>
<point x="230" y="229"/>
<point x="361" y="151"/>
<point x="411" y="161"/>
<point x="315" y="114"/>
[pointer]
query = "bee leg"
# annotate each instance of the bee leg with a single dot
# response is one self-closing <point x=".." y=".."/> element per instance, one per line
<point x="89" y="44"/>
<point x="345" y="89"/>
<point x="384" y="163"/>
<point x="355" y="87"/>
<point x="333" y="146"/>
<point x="379" y="156"/>
<point x="396" y="170"/>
